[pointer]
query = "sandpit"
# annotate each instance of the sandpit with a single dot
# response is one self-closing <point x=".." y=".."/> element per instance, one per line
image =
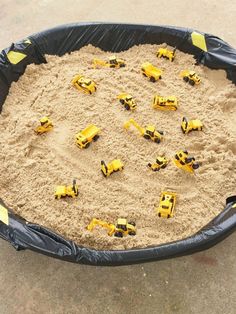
<point x="33" y="165"/>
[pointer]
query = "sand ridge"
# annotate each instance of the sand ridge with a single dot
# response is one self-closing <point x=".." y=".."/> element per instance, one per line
<point x="33" y="165"/>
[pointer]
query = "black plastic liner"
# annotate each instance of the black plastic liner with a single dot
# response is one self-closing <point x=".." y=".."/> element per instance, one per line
<point x="112" y="37"/>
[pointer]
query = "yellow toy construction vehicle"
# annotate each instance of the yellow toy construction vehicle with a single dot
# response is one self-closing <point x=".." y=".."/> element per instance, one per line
<point x="127" y="101"/>
<point x="86" y="136"/>
<point x="165" y="53"/>
<point x="149" y="132"/>
<point x="150" y="71"/>
<point x="70" y="190"/>
<point x="191" y="125"/>
<point x="113" y="166"/>
<point x="45" y="126"/>
<point x="190" y="77"/>
<point x="167" y="204"/>
<point x="161" y="163"/>
<point x="113" y="62"/>
<point x="165" y="103"/>
<point x="183" y="161"/>
<point x="86" y="85"/>
<point x="122" y="227"/>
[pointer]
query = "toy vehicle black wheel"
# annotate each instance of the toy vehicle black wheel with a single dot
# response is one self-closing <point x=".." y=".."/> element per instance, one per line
<point x="195" y="166"/>
<point x="152" y="79"/>
<point x="122" y="101"/>
<point x="144" y="75"/>
<point x="87" y="145"/>
<point x="127" y="107"/>
<point x="96" y="137"/>
<point x="185" y="78"/>
<point x="132" y="233"/>
<point x="122" y="65"/>
<point x="147" y="137"/>
<point x="168" y="216"/>
<point x="191" y="82"/>
<point x="159" y="214"/>
<point x="132" y="223"/>
<point x="112" y="66"/>
<point x="157" y="140"/>
<point x="90" y="92"/>
<point x="160" y="77"/>
<point x="118" y="234"/>
<point x="188" y="160"/>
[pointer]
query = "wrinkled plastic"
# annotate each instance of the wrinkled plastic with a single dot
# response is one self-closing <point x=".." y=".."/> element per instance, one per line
<point x="113" y="37"/>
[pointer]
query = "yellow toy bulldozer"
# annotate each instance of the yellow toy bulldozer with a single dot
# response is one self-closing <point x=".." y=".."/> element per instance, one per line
<point x="69" y="190"/>
<point x="165" y="53"/>
<point x="149" y="132"/>
<point x="113" y="166"/>
<point x="183" y="161"/>
<point x="86" y="136"/>
<point x="165" y="103"/>
<point x="127" y="101"/>
<point x="84" y="84"/>
<point x="167" y="204"/>
<point x="122" y="227"/>
<point x="113" y="62"/>
<point x="191" y="125"/>
<point x="190" y="77"/>
<point x="45" y="126"/>
<point x="151" y="71"/>
<point x="161" y="163"/>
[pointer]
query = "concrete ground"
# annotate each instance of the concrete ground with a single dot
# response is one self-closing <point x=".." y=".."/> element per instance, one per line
<point x="202" y="283"/>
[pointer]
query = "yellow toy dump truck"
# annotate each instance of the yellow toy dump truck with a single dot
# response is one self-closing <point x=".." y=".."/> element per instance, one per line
<point x="191" y="125"/>
<point x="113" y="62"/>
<point x="183" y="161"/>
<point x="86" y="136"/>
<point x="45" y="126"/>
<point x="127" y="101"/>
<point x="190" y="77"/>
<point x="122" y="227"/>
<point x="70" y="190"/>
<point x="165" y="53"/>
<point x="113" y="166"/>
<point x="161" y="163"/>
<point x="84" y="84"/>
<point x="149" y="132"/>
<point x="165" y="103"/>
<point x="151" y="71"/>
<point x="167" y="204"/>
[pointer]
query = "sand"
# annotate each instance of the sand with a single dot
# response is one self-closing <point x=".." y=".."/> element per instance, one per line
<point x="33" y="165"/>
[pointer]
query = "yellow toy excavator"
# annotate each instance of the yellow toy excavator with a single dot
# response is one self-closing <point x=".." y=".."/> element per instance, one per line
<point x="113" y="62"/>
<point x="87" y="135"/>
<point x="122" y="227"/>
<point x="149" y="132"/>
<point x="165" y="53"/>
<point x="113" y="166"/>
<point x="183" y="161"/>
<point x="69" y="190"/>
<point x="45" y="126"/>
<point x="191" y="125"/>
<point x="165" y="103"/>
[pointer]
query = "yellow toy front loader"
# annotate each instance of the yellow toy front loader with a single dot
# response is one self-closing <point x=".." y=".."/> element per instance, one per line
<point x="149" y="132"/>
<point x="45" y="126"/>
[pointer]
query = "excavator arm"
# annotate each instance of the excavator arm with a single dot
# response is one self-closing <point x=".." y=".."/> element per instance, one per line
<point x="96" y="222"/>
<point x="128" y="123"/>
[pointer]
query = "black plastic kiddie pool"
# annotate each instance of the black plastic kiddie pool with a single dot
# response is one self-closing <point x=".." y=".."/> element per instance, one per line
<point x="207" y="49"/>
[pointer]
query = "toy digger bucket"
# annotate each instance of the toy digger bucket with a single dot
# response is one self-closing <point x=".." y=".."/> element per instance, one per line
<point x="207" y="49"/>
